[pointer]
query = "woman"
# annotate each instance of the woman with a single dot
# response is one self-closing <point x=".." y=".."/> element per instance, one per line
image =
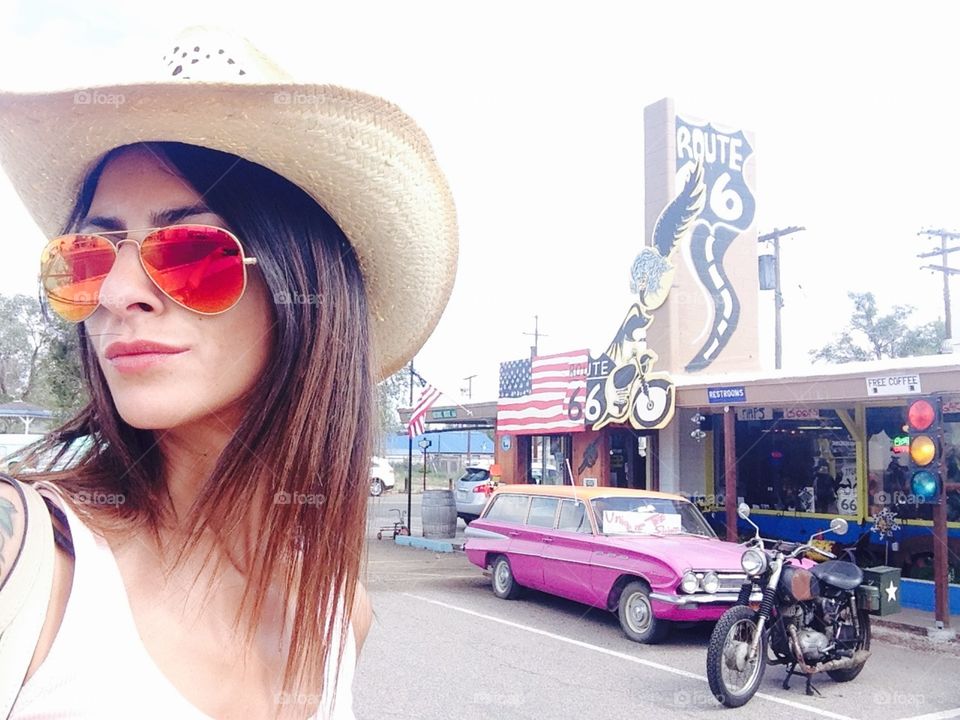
<point x="239" y="284"/>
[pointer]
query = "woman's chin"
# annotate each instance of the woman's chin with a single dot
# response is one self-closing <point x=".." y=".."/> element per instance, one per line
<point x="154" y="412"/>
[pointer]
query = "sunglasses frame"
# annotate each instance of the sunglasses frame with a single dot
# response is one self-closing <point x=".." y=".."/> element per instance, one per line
<point x="244" y="262"/>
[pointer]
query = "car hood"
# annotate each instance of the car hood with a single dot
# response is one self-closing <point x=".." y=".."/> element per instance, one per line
<point x="683" y="552"/>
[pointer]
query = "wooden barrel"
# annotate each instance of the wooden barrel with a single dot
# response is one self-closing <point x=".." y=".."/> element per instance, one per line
<point x="438" y="511"/>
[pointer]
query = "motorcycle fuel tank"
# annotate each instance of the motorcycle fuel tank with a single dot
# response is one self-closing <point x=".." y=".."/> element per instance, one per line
<point x="798" y="584"/>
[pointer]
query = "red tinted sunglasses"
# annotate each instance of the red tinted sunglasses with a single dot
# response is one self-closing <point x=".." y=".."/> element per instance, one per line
<point x="199" y="267"/>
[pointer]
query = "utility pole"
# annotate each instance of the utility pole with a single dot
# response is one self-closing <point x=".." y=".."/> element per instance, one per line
<point x="774" y="237"/>
<point x="535" y="348"/>
<point x="468" y="390"/>
<point x="947" y="271"/>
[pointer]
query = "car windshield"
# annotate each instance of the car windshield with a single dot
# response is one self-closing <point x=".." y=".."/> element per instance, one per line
<point x="649" y="516"/>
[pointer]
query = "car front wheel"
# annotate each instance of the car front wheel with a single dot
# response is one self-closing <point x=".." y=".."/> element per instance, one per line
<point x="502" y="580"/>
<point x="636" y="615"/>
<point x="376" y="487"/>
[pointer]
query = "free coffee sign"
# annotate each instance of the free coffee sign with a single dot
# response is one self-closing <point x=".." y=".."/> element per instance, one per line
<point x="893" y="385"/>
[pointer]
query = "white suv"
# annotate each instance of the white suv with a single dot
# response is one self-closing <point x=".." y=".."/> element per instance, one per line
<point x="381" y="476"/>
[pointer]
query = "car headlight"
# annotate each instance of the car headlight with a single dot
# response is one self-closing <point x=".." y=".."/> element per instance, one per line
<point x="689" y="583"/>
<point x="711" y="582"/>
<point x="753" y="562"/>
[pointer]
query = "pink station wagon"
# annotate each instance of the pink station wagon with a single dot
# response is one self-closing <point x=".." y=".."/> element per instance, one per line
<point x="650" y="557"/>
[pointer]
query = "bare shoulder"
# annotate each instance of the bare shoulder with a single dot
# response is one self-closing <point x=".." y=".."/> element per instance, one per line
<point x="11" y="528"/>
<point x="362" y="615"/>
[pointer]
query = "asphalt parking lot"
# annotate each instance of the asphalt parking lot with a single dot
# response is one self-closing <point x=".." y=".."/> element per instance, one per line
<point x="443" y="646"/>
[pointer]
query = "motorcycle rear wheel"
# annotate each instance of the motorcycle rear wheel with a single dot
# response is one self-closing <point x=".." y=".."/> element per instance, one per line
<point x="735" y="630"/>
<point x="863" y="643"/>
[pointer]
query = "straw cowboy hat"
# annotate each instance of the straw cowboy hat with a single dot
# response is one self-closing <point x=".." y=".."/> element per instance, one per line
<point x="361" y="158"/>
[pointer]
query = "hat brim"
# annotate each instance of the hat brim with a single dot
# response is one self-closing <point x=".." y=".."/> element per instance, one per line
<point x="360" y="157"/>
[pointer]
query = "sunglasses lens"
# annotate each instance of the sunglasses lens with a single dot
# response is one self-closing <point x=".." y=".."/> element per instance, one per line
<point x="197" y="266"/>
<point x="72" y="269"/>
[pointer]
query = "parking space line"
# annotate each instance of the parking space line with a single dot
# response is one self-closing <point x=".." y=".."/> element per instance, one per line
<point x="641" y="661"/>
<point x="942" y="715"/>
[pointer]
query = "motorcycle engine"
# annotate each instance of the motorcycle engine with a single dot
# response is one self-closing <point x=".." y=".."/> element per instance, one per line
<point x="813" y="644"/>
<point x="829" y="609"/>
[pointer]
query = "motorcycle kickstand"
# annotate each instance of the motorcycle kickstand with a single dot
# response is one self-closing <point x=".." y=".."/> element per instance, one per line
<point x="790" y="673"/>
<point x="810" y="688"/>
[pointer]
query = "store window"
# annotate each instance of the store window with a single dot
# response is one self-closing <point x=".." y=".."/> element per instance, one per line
<point x="548" y="459"/>
<point x="791" y="464"/>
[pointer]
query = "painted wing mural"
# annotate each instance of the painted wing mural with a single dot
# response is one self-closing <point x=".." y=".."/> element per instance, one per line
<point x="652" y="271"/>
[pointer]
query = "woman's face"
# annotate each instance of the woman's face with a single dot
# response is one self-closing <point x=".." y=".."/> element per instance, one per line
<point x="193" y="367"/>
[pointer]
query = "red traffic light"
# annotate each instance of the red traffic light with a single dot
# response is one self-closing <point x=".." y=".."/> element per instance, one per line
<point x="920" y="415"/>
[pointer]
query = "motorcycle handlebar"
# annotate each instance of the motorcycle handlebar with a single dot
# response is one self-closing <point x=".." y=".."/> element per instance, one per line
<point x="794" y="549"/>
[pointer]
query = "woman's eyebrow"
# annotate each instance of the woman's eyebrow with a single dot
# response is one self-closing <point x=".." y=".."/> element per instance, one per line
<point x="160" y="218"/>
<point x="175" y="215"/>
<point x="102" y="222"/>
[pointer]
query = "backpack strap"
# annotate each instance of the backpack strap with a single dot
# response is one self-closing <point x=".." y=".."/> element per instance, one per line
<point x="25" y="594"/>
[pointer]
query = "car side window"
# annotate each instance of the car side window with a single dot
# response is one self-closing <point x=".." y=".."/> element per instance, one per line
<point x="508" y="508"/>
<point x="542" y="512"/>
<point x="573" y="517"/>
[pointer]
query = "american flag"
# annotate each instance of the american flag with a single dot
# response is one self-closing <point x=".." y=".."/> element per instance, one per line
<point x="535" y="394"/>
<point x="427" y="398"/>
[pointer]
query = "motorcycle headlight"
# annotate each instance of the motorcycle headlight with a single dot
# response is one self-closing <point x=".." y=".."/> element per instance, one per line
<point x="753" y="562"/>
<point x="689" y="583"/>
<point x="711" y="582"/>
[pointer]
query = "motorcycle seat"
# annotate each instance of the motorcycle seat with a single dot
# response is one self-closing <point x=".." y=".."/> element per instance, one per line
<point x="838" y="573"/>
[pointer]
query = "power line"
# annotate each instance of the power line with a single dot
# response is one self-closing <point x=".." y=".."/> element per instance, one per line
<point x="535" y="348"/>
<point x="774" y="237"/>
<point x="944" y="268"/>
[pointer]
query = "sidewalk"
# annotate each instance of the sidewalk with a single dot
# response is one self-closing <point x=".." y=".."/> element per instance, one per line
<point x="416" y="539"/>
<point x="920" y="622"/>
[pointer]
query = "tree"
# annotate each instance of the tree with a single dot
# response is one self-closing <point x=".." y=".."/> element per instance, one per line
<point x="60" y="370"/>
<point x="23" y="339"/>
<point x="393" y="393"/>
<point x="872" y="336"/>
<point x="39" y="358"/>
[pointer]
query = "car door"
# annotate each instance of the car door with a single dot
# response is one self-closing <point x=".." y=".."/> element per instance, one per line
<point x="527" y="543"/>
<point x="567" y="553"/>
<point x="508" y="516"/>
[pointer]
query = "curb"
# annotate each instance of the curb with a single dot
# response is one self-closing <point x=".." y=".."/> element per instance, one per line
<point x="446" y="546"/>
<point x="932" y="633"/>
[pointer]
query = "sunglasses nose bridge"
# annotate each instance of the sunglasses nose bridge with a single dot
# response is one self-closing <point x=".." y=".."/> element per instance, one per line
<point x="127" y="279"/>
<point x="118" y="243"/>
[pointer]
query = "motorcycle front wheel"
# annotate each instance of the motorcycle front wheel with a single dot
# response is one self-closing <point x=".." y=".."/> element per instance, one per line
<point x="733" y="677"/>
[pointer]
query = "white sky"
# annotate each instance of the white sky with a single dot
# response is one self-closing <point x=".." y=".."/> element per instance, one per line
<point x="535" y="111"/>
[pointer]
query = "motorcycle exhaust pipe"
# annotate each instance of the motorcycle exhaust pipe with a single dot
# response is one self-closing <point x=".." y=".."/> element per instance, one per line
<point x="859" y="658"/>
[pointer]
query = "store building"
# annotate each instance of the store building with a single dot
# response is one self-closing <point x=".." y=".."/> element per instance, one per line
<point x="679" y="400"/>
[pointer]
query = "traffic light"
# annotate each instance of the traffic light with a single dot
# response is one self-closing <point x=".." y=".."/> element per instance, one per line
<point x="925" y="432"/>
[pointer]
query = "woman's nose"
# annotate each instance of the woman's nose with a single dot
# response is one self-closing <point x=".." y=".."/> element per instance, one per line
<point x="127" y="288"/>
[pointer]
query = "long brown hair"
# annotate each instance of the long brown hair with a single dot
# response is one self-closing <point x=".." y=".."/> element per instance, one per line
<point x="306" y="432"/>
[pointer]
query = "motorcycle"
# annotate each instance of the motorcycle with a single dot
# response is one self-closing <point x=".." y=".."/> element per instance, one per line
<point x="811" y="618"/>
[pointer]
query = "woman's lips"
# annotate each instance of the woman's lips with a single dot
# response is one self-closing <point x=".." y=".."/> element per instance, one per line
<point x="139" y="355"/>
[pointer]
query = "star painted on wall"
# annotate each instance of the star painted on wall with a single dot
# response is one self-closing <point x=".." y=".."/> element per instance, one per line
<point x="891" y="592"/>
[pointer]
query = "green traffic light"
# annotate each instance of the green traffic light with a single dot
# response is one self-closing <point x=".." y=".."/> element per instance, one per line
<point x="925" y="485"/>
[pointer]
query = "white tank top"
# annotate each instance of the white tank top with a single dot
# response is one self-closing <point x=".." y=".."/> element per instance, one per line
<point x="97" y="667"/>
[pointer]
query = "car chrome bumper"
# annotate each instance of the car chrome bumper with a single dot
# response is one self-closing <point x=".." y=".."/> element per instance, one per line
<point x="697" y="599"/>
